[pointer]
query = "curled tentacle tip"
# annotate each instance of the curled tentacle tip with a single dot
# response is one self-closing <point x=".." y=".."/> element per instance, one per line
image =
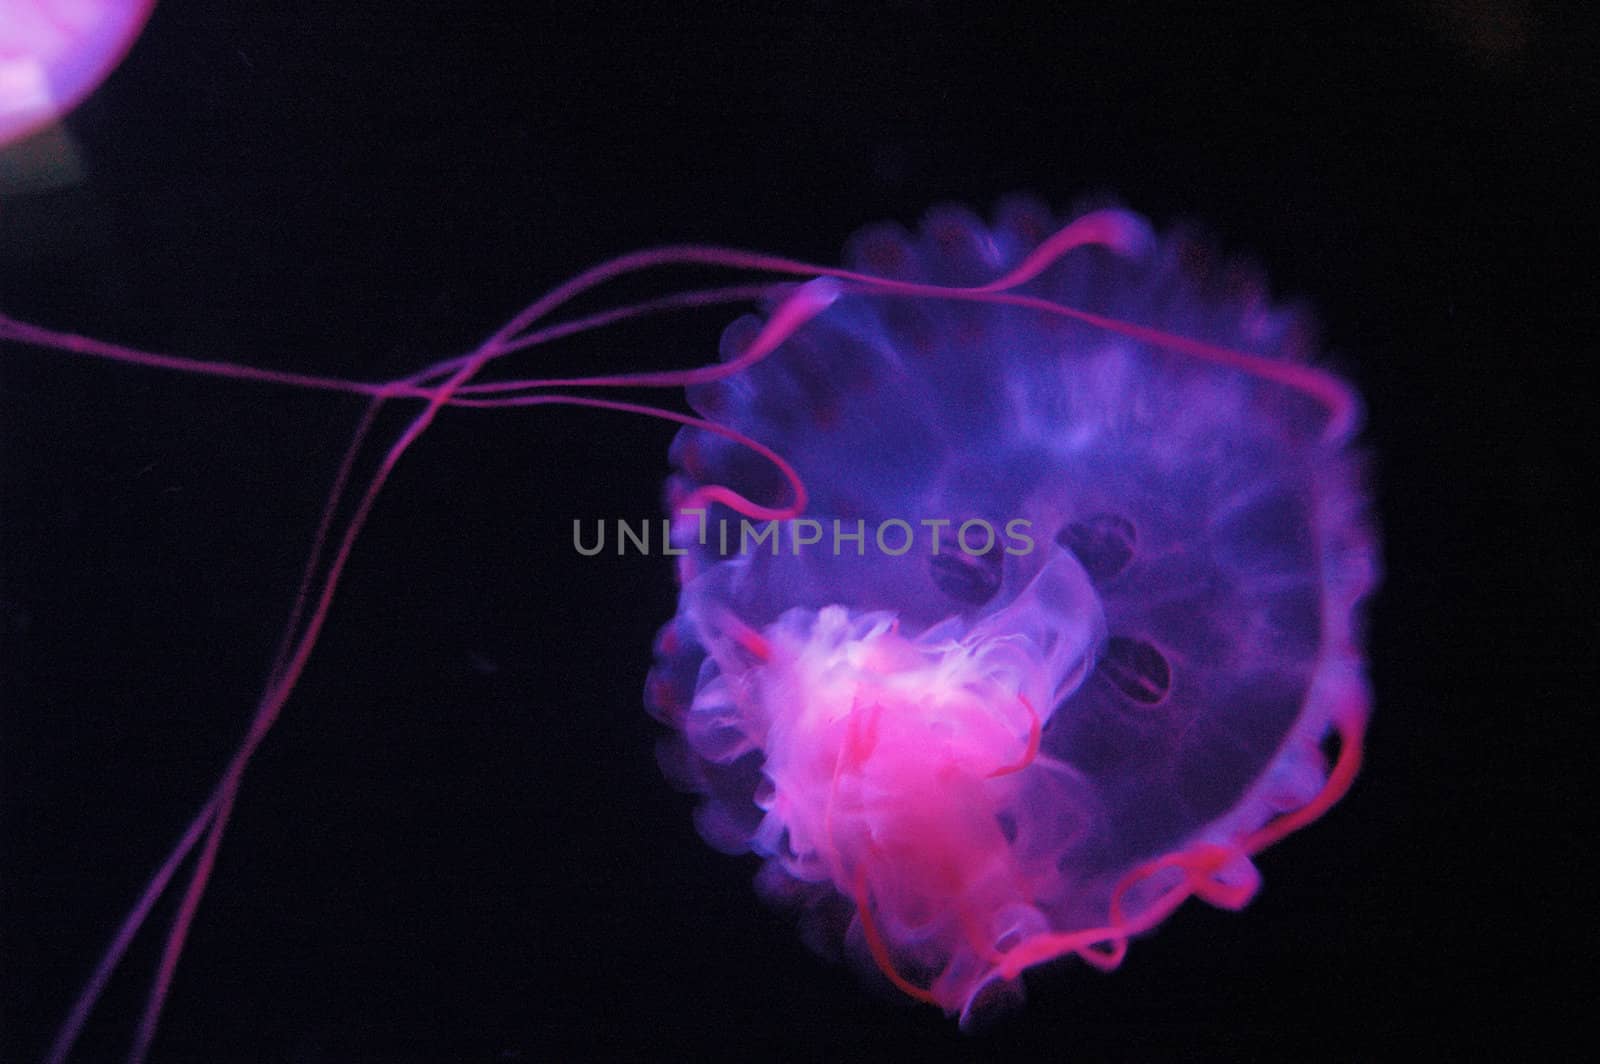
<point x="1127" y="234"/>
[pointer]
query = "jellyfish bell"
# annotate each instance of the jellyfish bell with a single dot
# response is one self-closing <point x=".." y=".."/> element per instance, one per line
<point x="54" y="53"/>
<point x="1104" y="696"/>
<point x="1047" y="757"/>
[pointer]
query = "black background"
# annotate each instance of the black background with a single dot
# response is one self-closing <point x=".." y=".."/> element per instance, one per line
<point x="457" y="846"/>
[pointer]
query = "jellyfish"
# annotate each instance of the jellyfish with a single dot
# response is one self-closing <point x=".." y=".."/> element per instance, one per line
<point x="1040" y="614"/>
<point x="959" y="763"/>
<point x="53" y="53"/>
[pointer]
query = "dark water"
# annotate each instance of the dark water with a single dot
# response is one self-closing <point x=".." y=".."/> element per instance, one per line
<point x="457" y="845"/>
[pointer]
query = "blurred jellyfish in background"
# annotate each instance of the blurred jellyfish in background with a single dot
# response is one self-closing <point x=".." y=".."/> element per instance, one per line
<point x="53" y="54"/>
